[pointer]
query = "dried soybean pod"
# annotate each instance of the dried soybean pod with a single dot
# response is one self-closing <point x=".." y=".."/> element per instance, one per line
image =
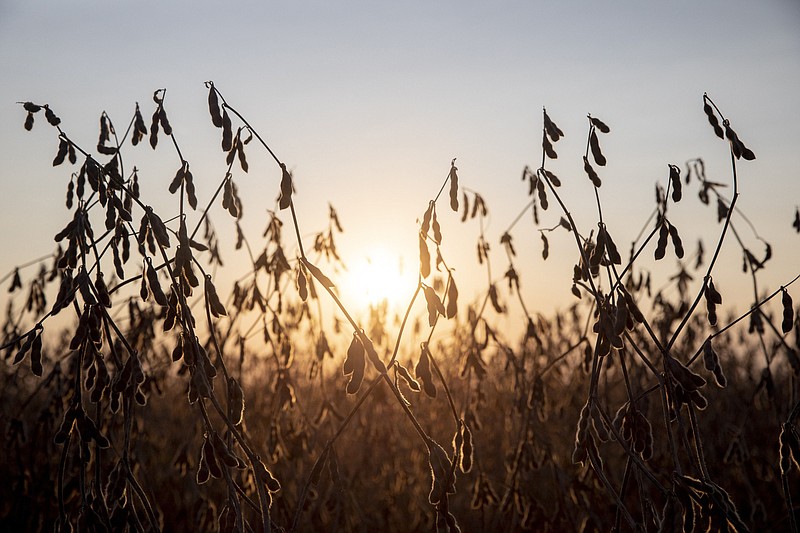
<point x="711" y="306"/>
<point x="154" y="130"/>
<point x="302" y="284"/>
<point x="242" y="158"/>
<point x="372" y="353"/>
<point x="190" y="190"/>
<point x="354" y="364"/>
<point x="676" y="241"/>
<point x="452" y="299"/>
<point x="412" y="383"/>
<point x="548" y="148"/>
<point x="599" y="248"/>
<point x="36" y="355"/>
<point x="712" y="117"/>
<point x="661" y="246"/>
<point x="611" y="249"/>
<point x="736" y="145"/>
<point x="437" y="229"/>
<point x="227" y="131"/>
<point x="545" y="246"/>
<point x="213" y="106"/>
<point x="426" y="219"/>
<point x="158" y="227"/>
<point x="29" y="121"/>
<point x="453" y="186"/>
<point x="495" y="299"/>
<point x="710" y="358"/>
<point x="550" y="128"/>
<point x="102" y="290"/>
<point x="175" y="184"/>
<point x="599" y="124"/>
<point x="286" y="188"/>
<point x="424" y="257"/>
<point x="594" y="144"/>
<point x="51" y="117"/>
<point x="435" y="306"/>
<point x="211" y="459"/>
<point x="713" y="294"/>
<point x="675" y="179"/>
<point x="215" y="305"/>
<point x="62" y="152"/>
<point x="788" y="311"/>
<point x="595" y="179"/>
<point x="423" y="371"/>
<point x="467" y="450"/>
<point x="144" y="292"/>
<point x="552" y="177"/>
<point x="542" y="192"/>
<point x="162" y="118"/>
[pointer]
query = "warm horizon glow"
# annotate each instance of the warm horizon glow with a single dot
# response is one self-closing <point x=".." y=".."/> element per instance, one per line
<point x="377" y="276"/>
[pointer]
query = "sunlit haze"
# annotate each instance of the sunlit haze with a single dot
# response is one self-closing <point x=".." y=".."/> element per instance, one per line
<point x="377" y="277"/>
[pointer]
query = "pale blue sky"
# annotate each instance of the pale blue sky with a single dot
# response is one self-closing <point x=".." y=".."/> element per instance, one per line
<point x="369" y="101"/>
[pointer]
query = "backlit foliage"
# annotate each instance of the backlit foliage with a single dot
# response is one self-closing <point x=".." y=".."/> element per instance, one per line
<point x="168" y="405"/>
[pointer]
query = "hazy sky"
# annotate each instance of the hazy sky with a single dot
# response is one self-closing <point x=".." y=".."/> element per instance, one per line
<point x="368" y="102"/>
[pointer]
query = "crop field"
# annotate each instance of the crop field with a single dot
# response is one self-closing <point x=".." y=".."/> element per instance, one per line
<point x="138" y="392"/>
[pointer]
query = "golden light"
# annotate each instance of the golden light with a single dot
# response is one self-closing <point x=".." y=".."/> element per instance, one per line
<point x="377" y="277"/>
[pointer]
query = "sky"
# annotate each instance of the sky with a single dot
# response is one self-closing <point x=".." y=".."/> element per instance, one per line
<point x="368" y="102"/>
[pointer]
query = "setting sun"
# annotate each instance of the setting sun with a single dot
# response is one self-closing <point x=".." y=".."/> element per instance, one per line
<point x="379" y="276"/>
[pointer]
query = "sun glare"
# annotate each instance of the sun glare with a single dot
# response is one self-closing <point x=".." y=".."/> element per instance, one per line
<point x="380" y="276"/>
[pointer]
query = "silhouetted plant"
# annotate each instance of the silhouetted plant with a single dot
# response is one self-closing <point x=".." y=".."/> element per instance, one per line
<point x="592" y="419"/>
